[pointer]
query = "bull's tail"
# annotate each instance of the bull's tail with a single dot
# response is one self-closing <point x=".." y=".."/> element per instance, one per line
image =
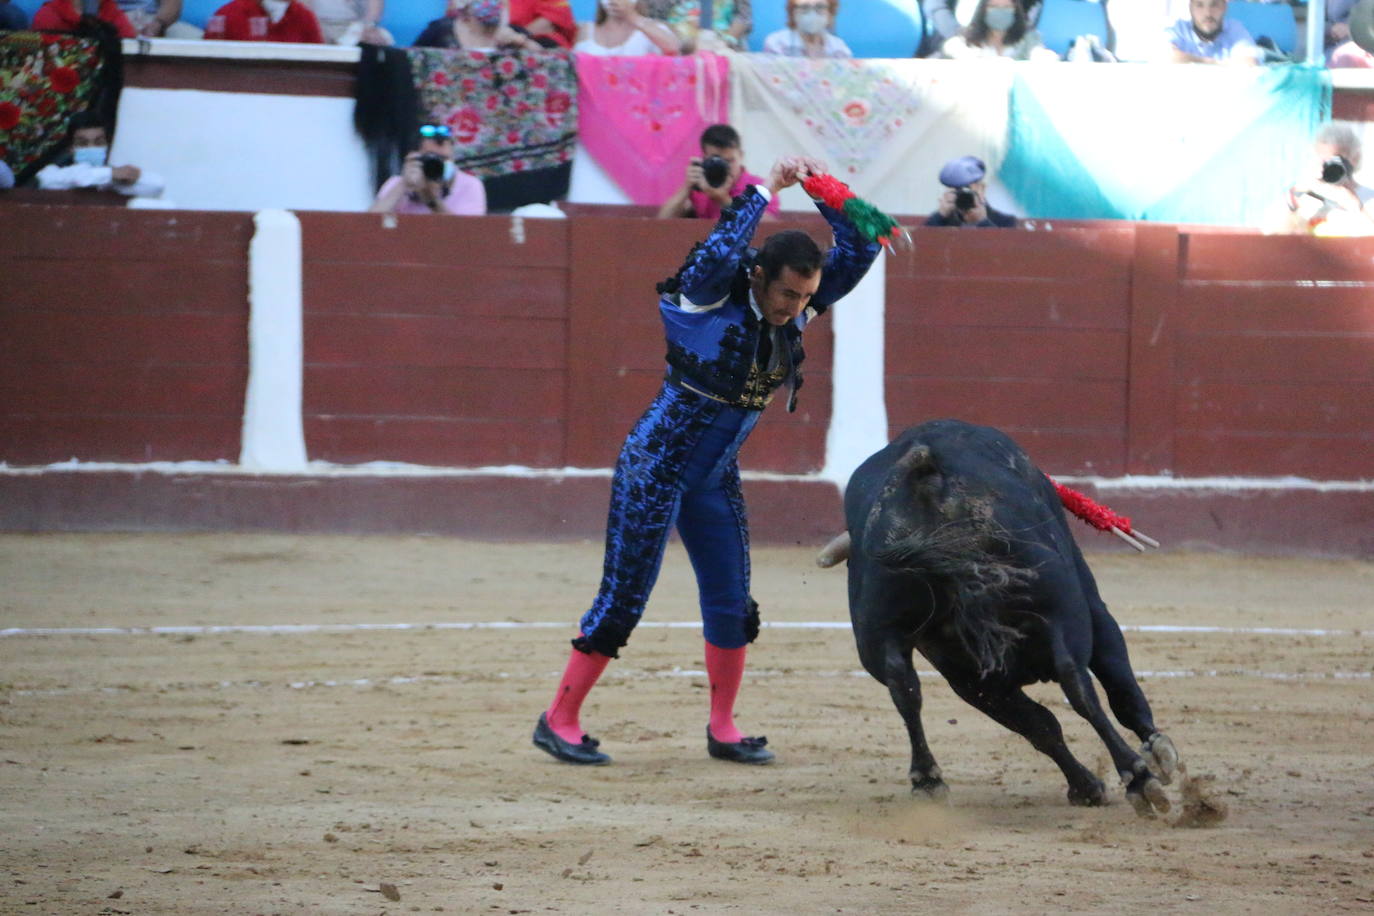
<point x="956" y="553"/>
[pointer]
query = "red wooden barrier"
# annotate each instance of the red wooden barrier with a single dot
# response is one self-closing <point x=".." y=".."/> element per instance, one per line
<point x="1108" y="350"/>
<point x="123" y="334"/>
<point x="1026" y="331"/>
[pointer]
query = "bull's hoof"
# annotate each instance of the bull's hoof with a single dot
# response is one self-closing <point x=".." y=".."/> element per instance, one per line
<point x="1147" y="797"/>
<point x="1089" y="795"/>
<point x="1160" y="756"/>
<point x="930" y="788"/>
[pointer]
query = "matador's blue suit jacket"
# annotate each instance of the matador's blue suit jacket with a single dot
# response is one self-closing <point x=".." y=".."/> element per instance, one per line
<point x="678" y="465"/>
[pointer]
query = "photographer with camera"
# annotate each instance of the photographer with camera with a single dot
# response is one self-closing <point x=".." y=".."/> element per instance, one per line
<point x="714" y="178"/>
<point x="430" y="182"/>
<point x="1328" y="201"/>
<point x="965" y="203"/>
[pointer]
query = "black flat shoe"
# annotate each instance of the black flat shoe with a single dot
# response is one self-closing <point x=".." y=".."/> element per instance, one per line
<point x="586" y="753"/>
<point x="745" y="750"/>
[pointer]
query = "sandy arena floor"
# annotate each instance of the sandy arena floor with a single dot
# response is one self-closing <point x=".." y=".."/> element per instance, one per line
<point x="296" y="772"/>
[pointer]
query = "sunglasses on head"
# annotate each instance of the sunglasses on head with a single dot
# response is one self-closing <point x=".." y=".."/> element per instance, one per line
<point x="436" y="130"/>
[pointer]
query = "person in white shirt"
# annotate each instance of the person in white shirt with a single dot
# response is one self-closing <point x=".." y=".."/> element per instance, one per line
<point x="622" y="29"/>
<point x="808" y="31"/>
<point x="90" y="150"/>
<point x="351" y="22"/>
<point x="1000" y="29"/>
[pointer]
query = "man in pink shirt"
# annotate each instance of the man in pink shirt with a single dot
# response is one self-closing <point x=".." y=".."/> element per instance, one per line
<point x="715" y="178"/>
<point x="430" y="183"/>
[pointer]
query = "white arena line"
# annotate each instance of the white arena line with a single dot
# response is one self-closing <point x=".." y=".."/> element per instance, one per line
<point x="633" y="674"/>
<point x="210" y="630"/>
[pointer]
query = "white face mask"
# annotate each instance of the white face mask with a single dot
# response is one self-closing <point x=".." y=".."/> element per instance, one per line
<point x="91" y="155"/>
<point x="812" y="22"/>
<point x="999" y="18"/>
<point x="275" y="8"/>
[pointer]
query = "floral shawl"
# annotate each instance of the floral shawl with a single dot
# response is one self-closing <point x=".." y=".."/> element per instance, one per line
<point x="44" y="79"/>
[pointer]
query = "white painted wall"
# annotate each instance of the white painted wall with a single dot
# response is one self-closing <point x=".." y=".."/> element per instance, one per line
<point x="245" y="151"/>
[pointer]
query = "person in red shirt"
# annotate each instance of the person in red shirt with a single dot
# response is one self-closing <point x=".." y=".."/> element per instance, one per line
<point x="265" y="20"/>
<point x="549" y="22"/>
<point x="64" y="15"/>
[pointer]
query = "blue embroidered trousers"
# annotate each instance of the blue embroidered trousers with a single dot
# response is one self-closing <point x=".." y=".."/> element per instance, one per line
<point x="678" y="467"/>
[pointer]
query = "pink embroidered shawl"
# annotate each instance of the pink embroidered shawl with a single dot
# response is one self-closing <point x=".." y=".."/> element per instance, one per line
<point x="641" y="117"/>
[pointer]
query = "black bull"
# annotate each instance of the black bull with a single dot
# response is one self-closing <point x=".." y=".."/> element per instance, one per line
<point x="960" y="550"/>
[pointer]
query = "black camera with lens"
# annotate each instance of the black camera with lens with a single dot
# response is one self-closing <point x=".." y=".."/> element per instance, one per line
<point x="432" y="165"/>
<point x="715" y="170"/>
<point x="1335" y="170"/>
<point x="964" y="199"/>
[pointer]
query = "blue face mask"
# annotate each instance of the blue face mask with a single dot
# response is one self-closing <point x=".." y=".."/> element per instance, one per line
<point x="91" y="155"/>
<point x="999" y="18"/>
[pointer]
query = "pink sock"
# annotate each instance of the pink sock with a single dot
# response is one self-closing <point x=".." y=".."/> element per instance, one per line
<point x="725" y="670"/>
<point x="579" y="677"/>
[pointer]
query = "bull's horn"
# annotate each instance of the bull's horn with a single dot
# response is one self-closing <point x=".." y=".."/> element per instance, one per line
<point x="831" y="554"/>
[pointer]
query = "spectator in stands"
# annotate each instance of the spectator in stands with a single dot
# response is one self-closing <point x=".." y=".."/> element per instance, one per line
<point x="1328" y="201"/>
<point x="730" y="22"/>
<point x="12" y="18"/>
<point x="430" y="182"/>
<point x="85" y="164"/>
<point x="622" y="29"/>
<point x="808" y="31"/>
<point x="965" y="202"/>
<point x="942" y="23"/>
<point x="1342" y="49"/>
<point x="549" y="22"/>
<point x="999" y="29"/>
<point x="351" y="22"/>
<point x="714" y="178"/>
<point x="1208" y="37"/>
<point x="477" y="25"/>
<point x="265" y="20"/>
<point x="65" y="16"/>
<point x="158" y="18"/>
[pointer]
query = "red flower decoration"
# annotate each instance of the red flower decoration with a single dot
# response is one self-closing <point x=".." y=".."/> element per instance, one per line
<point x="555" y="107"/>
<point x="466" y="125"/>
<point x="540" y="81"/>
<point x="63" y="79"/>
<point x="468" y="86"/>
<point x="507" y="67"/>
<point x="492" y="102"/>
<point x="439" y="78"/>
<point x="9" y="115"/>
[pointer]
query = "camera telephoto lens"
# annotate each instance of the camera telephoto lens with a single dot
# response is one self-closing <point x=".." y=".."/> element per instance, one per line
<point x="1334" y="170"/>
<point x="433" y="167"/>
<point x="715" y="170"/>
<point x="964" y="199"/>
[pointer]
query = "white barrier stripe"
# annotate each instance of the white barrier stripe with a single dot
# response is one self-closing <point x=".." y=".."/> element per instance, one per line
<point x="1142" y="483"/>
<point x="639" y="674"/>
<point x="210" y="630"/>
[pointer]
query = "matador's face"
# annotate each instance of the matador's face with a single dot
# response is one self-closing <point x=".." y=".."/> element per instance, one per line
<point x="783" y="298"/>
